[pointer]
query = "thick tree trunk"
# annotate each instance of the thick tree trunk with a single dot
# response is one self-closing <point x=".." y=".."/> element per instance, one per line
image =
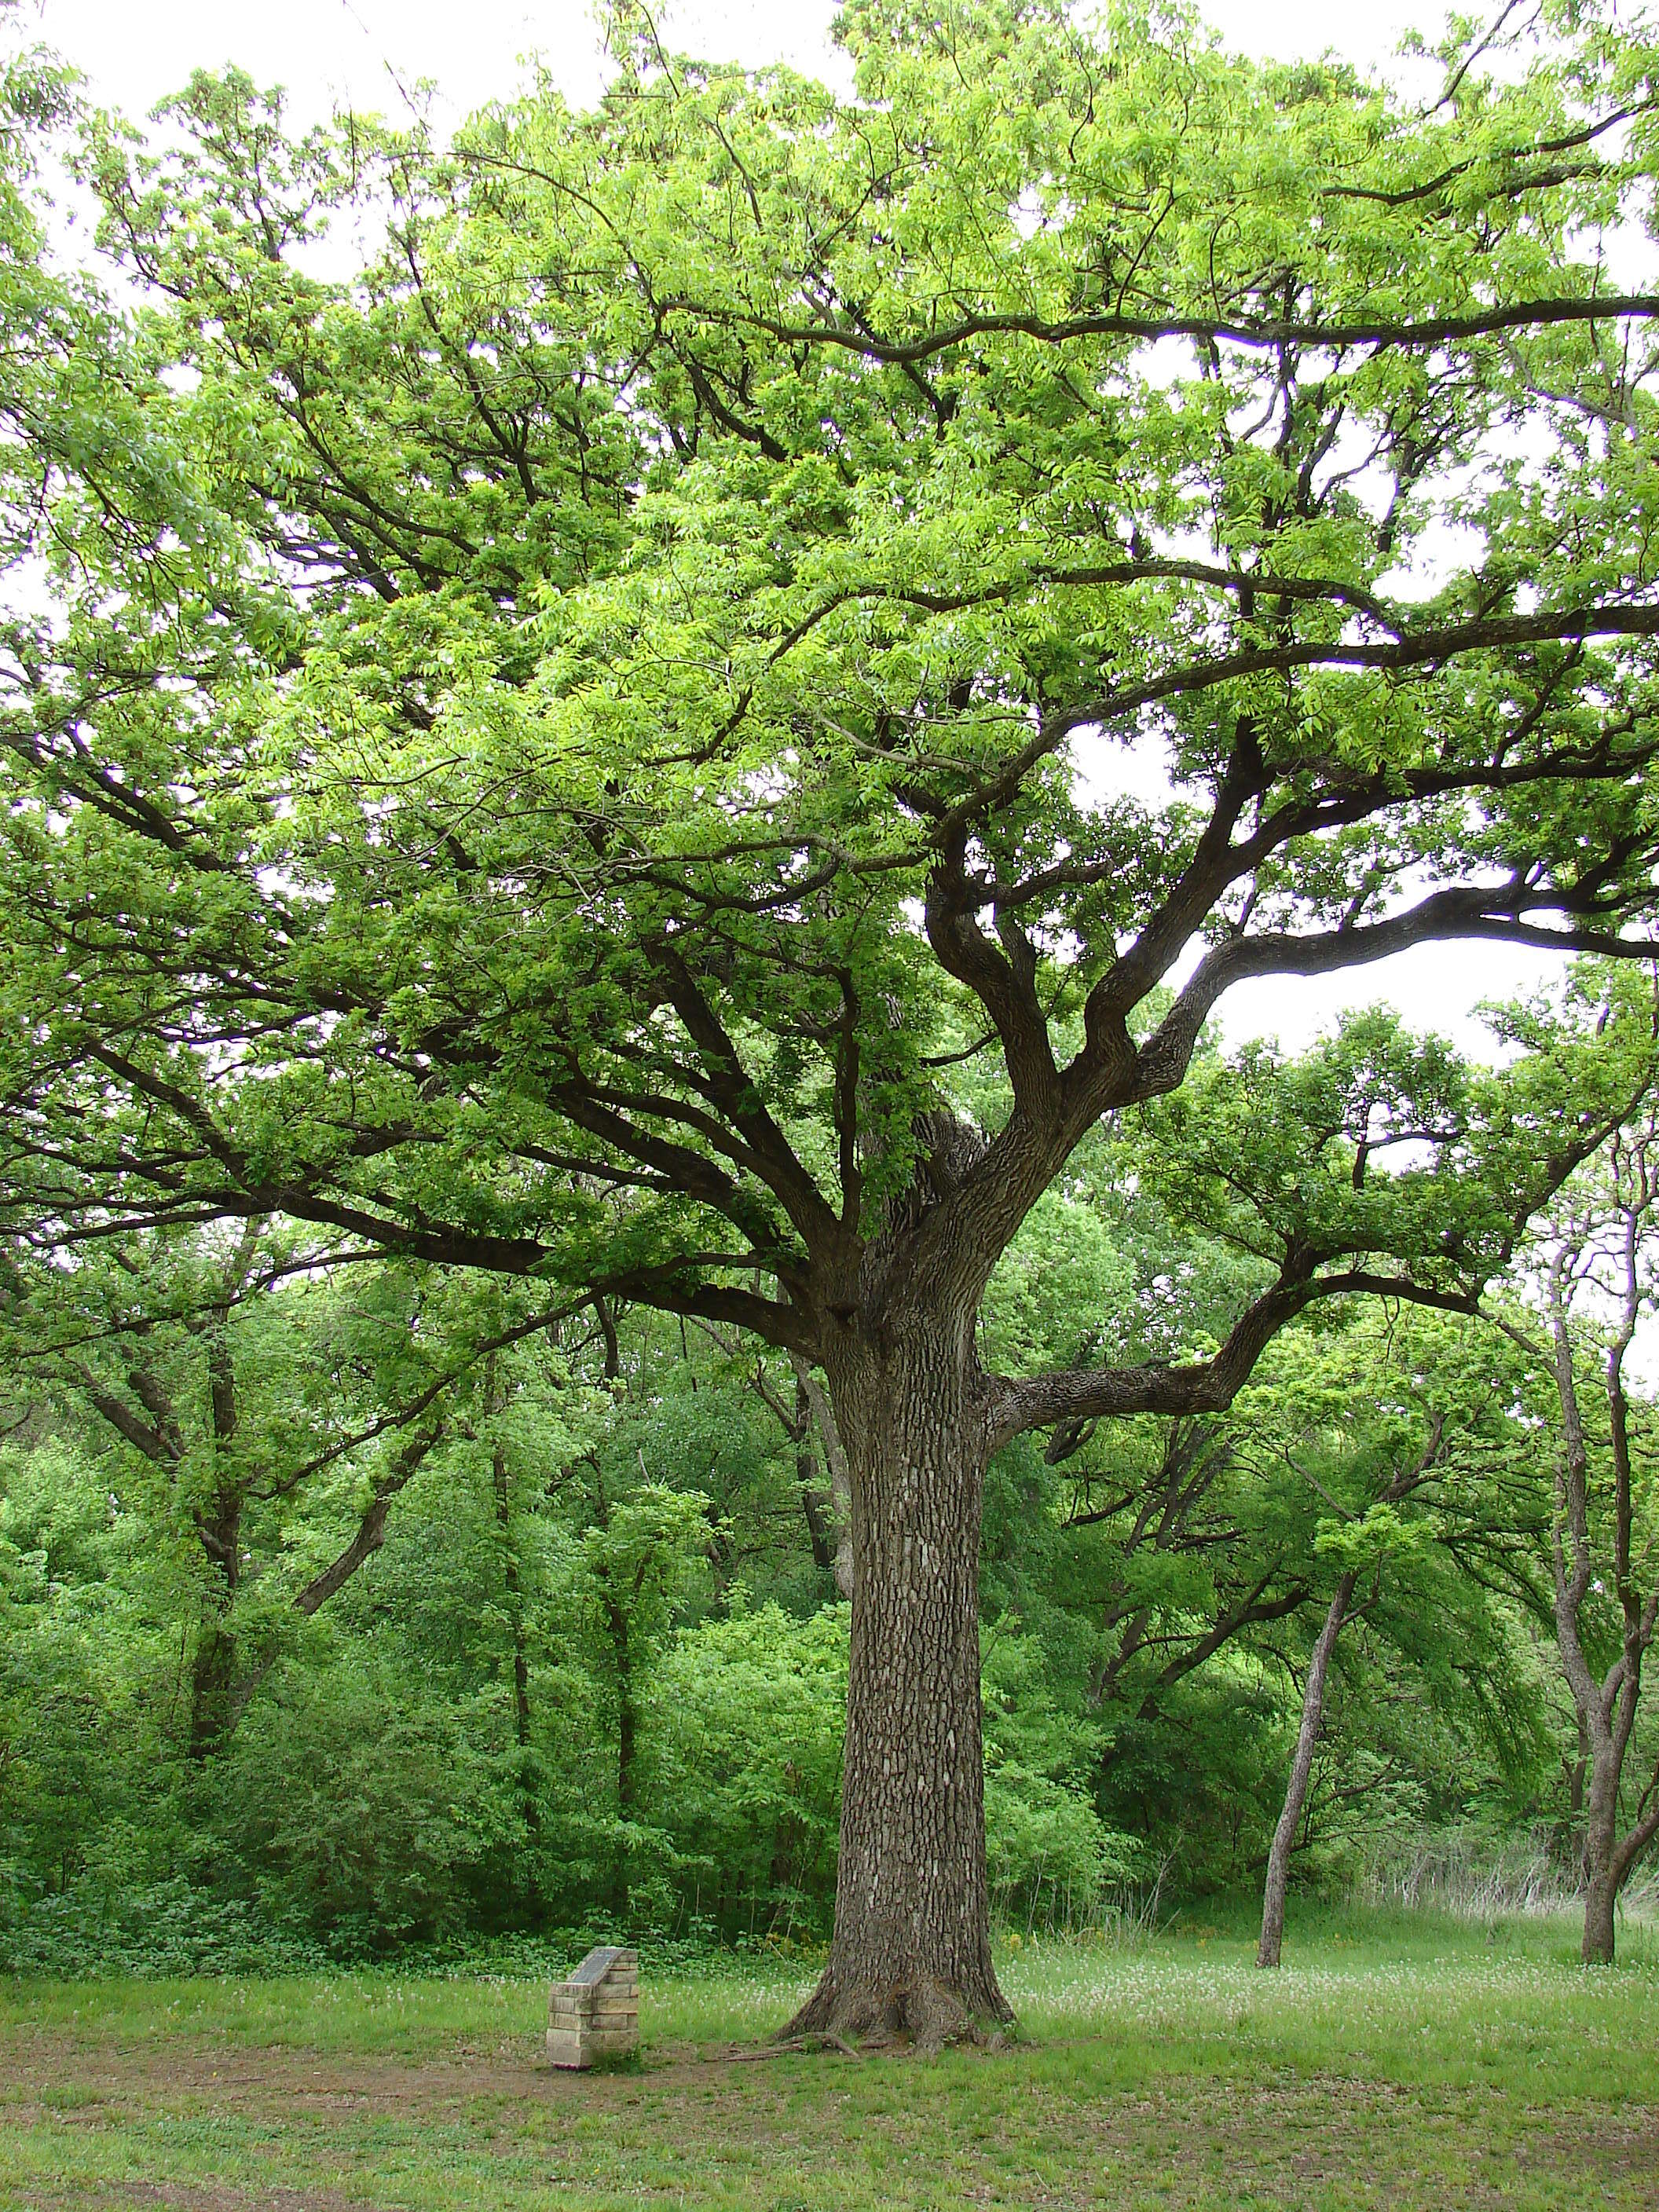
<point x="1296" y="1792"/>
<point x="911" y="1952"/>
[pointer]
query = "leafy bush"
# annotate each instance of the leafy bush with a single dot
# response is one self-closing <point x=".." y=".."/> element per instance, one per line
<point x="742" y="1746"/>
<point x="361" y="1812"/>
<point x="164" y="1928"/>
<point x="1050" y="1859"/>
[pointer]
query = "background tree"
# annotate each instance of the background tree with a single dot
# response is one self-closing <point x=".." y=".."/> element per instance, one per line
<point x="241" y="1377"/>
<point x="547" y="753"/>
<point x="1406" y="1438"/>
<point x="1593" y="1278"/>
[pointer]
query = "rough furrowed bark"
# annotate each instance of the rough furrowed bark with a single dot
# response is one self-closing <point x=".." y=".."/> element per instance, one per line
<point x="911" y="1952"/>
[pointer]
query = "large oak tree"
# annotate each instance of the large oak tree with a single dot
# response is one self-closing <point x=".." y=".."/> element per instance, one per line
<point x="597" y="675"/>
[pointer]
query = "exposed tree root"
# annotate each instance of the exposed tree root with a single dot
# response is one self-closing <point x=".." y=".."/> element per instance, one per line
<point x="783" y="2044"/>
<point x="920" y="2013"/>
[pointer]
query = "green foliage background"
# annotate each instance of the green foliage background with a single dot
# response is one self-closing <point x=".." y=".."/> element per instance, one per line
<point x="375" y="1794"/>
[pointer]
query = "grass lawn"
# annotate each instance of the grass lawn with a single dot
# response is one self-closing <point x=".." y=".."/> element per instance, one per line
<point x="1395" y="2061"/>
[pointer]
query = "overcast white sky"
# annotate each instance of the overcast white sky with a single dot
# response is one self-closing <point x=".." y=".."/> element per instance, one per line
<point x="326" y="51"/>
<point x="361" y="52"/>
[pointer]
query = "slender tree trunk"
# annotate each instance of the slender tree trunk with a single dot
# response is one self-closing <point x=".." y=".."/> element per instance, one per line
<point x="212" y="1680"/>
<point x="1576" y="1770"/>
<point x="1602" y="1869"/>
<point x="616" y="1621"/>
<point x="810" y="1393"/>
<point x="514" y="1599"/>
<point x="213" y="1709"/>
<point x="806" y="1479"/>
<point x="911" y="1951"/>
<point x="1296" y="1791"/>
<point x="1599" y="1900"/>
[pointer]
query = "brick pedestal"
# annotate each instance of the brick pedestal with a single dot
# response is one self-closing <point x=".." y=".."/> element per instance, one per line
<point x="596" y="2013"/>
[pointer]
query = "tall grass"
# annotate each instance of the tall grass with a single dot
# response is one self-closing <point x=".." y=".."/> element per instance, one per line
<point x="1124" y="1916"/>
<point x="1471" y="1874"/>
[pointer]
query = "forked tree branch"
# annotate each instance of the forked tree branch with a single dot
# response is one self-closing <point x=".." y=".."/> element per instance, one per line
<point x="1206" y="1386"/>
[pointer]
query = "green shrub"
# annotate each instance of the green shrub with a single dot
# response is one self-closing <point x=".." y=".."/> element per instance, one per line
<point x="743" y="1754"/>
<point x="361" y="1814"/>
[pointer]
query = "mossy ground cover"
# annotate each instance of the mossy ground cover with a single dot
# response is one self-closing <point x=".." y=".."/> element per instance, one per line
<point x="1396" y="2062"/>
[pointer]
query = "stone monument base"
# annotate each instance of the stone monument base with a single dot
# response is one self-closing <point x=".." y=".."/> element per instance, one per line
<point x="596" y="2013"/>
